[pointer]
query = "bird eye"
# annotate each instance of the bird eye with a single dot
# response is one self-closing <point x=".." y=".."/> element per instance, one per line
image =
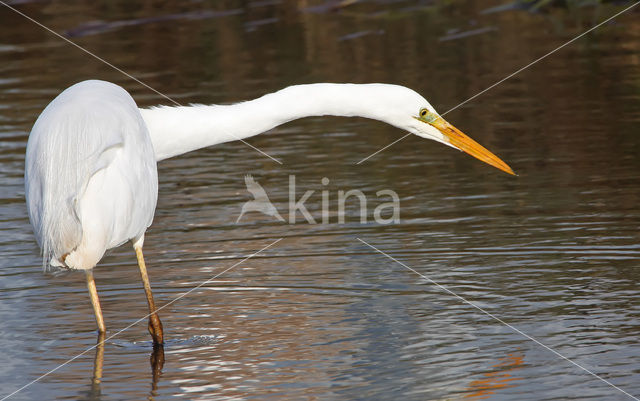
<point x="427" y="116"/>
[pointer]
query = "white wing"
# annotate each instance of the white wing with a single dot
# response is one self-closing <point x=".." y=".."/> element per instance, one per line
<point x="90" y="174"/>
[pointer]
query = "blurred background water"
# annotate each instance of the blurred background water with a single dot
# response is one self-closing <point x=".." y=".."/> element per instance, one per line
<point x="321" y="316"/>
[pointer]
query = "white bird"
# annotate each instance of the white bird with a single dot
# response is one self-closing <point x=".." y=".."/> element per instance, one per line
<point x="260" y="202"/>
<point x="90" y="172"/>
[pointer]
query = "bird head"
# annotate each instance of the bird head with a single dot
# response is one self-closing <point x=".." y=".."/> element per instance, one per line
<point x="413" y="113"/>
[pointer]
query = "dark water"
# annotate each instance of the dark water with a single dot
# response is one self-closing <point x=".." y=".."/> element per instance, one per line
<point x="554" y="252"/>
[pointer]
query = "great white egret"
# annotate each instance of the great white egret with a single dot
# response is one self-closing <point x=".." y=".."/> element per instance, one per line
<point x="90" y="174"/>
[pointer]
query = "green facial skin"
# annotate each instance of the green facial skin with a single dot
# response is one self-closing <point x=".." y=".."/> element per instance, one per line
<point x="426" y="116"/>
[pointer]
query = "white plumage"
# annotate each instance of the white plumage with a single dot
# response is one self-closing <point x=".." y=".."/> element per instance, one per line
<point x="178" y="130"/>
<point x="90" y="175"/>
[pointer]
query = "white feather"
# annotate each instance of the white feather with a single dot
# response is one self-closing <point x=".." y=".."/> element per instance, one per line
<point x="90" y="174"/>
<point x="178" y="130"/>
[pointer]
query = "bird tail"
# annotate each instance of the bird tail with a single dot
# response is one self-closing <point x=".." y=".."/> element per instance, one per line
<point x="51" y="201"/>
<point x="56" y="175"/>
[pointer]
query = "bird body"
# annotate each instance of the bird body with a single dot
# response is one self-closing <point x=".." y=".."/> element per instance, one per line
<point x="90" y="171"/>
<point x="91" y="181"/>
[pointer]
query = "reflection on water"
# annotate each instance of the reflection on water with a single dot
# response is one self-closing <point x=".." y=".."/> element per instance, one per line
<point x="554" y="252"/>
<point x="94" y="391"/>
<point x="499" y="377"/>
<point x="156" y="360"/>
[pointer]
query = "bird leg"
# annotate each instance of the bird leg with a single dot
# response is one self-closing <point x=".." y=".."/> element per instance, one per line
<point x="91" y="284"/>
<point x="98" y="361"/>
<point x="155" y="325"/>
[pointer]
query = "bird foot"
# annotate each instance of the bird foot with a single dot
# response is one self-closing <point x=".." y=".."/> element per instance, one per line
<point x="155" y="329"/>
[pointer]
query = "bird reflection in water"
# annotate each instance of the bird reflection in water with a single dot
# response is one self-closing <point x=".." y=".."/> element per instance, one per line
<point x="156" y="360"/>
<point x="498" y="378"/>
<point x="95" y="392"/>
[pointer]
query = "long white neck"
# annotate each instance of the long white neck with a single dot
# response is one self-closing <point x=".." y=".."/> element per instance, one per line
<point x="178" y="130"/>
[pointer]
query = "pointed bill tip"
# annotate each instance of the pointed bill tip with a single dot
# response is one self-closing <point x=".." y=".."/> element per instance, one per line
<point x="461" y="141"/>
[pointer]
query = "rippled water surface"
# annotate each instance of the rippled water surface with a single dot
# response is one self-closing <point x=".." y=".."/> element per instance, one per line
<point x="320" y="315"/>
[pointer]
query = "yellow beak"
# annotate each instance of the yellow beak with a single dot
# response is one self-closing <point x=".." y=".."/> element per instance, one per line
<point x="468" y="145"/>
